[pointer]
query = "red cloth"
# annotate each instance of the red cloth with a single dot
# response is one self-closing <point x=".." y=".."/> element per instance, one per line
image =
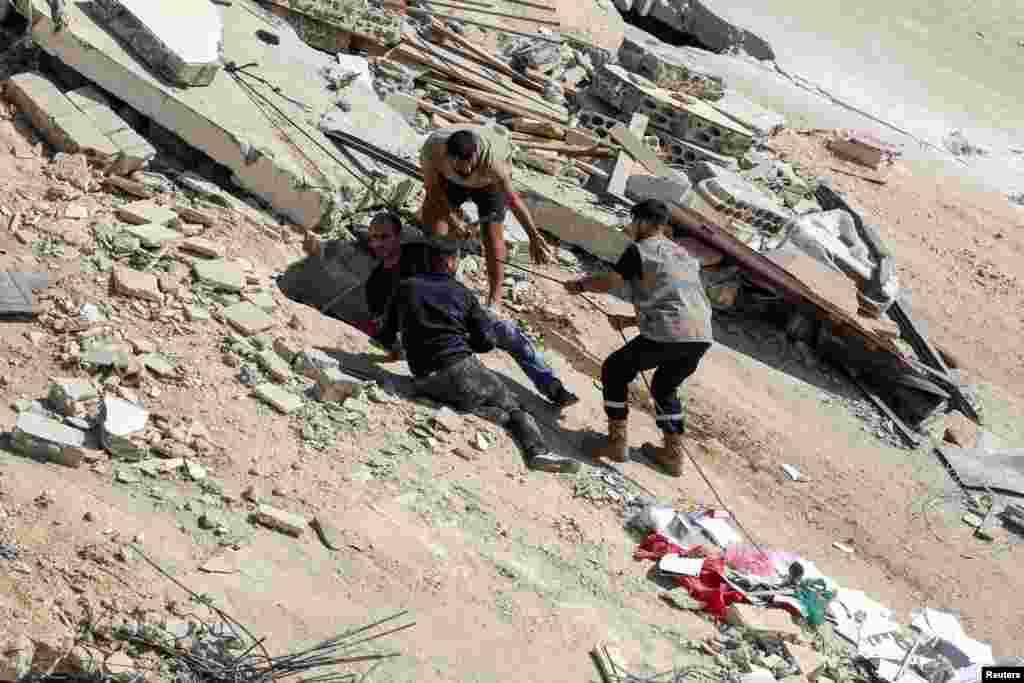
<point x="708" y="587"/>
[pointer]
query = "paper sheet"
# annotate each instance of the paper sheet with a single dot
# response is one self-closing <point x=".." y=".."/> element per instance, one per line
<point x="677" y="564"/>
<point x="720" y="531"/>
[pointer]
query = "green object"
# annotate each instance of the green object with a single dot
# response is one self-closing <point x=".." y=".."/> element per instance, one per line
<point x="814" y="596"/>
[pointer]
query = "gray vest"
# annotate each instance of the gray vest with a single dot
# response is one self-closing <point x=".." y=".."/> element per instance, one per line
<point x="671" y="305"/>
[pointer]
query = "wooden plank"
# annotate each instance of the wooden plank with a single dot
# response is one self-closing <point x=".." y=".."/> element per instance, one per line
<point x="640" y="152"/>
<point x="504" y="15"/>
<point x="624" y="164"/>
<point x="461" y="67"/>
<point x="912" y="438"/>
<point x="492" y="27"/>
<point x="491" y="100"/>
<point x="566" y="150"/>
<point x="488" y="59"/>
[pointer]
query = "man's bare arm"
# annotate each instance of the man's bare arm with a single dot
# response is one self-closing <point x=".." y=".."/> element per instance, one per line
<point x="700" y="251"/>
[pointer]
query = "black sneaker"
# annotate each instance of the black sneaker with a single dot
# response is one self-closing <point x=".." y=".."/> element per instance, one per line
<point x="562" y="397"/>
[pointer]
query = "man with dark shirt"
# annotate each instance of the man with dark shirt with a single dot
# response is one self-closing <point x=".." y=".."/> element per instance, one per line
<point x="449" y="326"/>
<point x="399" y="262"/>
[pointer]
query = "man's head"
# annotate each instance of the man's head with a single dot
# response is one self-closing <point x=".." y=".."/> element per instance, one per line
<point x="463" y="150"/>
<point x="385" y="236"/>
<point x="443" y="254"/>
<point x="650" y="217"/>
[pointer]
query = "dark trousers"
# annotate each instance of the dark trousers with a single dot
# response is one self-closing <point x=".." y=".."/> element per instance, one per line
<point x="673" y="362"/>
<point x="470" y="387"/>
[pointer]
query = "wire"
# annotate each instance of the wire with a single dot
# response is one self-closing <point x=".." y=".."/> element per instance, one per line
<point x="657" y="408"/>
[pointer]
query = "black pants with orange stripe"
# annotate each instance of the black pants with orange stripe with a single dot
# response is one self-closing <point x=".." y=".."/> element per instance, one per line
<point x="672" y="363"/>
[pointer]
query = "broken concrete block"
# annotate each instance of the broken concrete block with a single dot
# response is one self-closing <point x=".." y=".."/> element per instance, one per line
<point x="142" y="212"/>
<point x="262" y="300"/>
<point x="152" y="235"/>
<point x="196" y="313"/>
<point x="669" y="66"/>
<point x="715" y="25"/>
<point x="72" y="397"/>
<point x="287" y="348"/>
<point x="16" y="654"/>
<point x="694" y="120"/>
<point x="273" y="364"/>
<point x="860" y="149"/>
<point x="732" y="195"/>
<point x="279" y="520"/>
<point x="122" y="426"/>
<point x="334" y="385"/>
<point x="203" y="247"/>
<point x="48" y="440"/>
<point x="108" y="355"/>
<point x="670" y="190"/>
<point x="406" y="105"/>
<point x="749" y="114"/>
<point x="134" y="151"/>
<point x="58" y="120"/>
<point x="312" y="362"/>
<point x="281" y="399"/>
<point x="157" y="364"/>
<point x="247" y="318"/>
<point x="179" y="40"/>
<point x="136" y="284"/>
<point x="220" y="274"/>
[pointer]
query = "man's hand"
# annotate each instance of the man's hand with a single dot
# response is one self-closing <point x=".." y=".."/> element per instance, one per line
<point x="540" y="250"/>
<point x="621" y="322"/>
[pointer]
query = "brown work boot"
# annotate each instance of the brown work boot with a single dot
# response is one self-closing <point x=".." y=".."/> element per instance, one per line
<point x="616" y="446"/>
<point x="668" y="456"/>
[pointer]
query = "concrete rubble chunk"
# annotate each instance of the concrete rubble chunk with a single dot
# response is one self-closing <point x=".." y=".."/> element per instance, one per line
<point x="248" y="318"/>
<point x="179" y="40"/>
<point x="749" y="114"/>
<point x="713" y="24"/>
<point x="44" y="439"/>
<point x="196" y="313"/>
<point x="143" y="212"/>
<point x="276" y="366"/>
<point x="279" y="520"/>
<point x="692" y="120"/>
<point x="262" y="300"/>
<point x="203" y="247"/>
<point x="281" y="399"/>
<point x="334" y="385"/>
<point x="157" y="364"/>
<point x="134" y="151"/>
<point x="72" y="397"/>
<point x="667" y="65"/>
<point x="17" y="292"/>
<point x="670" y="190"/>
<point x="108" y="355"/>
<point x="16" y="653"/>
<point x="152" y="235"/>
<point x="287" y="348"/>
<point x="122" y="426"/>
<point x="220" y="274"/>
<point x="311" y="362"/>
<point x="57" y="118"/>
<point x="137" y="284"/>
<point x="233" y="132"/>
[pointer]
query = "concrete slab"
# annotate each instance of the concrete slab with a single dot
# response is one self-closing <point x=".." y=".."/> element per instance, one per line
<point x="179" y="40"/>
<point x="986" y="466"/>
<point x="137" y="284"/>
<point x="281" y="399"/>
<point x="220" y="120"/>
<point x="144" y="211"/>
<point x="203" y="247"/>
<point x="16" y="292"/>
<point x="714" y="25"/>
<point x="667" y="65"/>
<point x="135" y="151"/>
<point x="40" y="437"/>
<point x="671" y="190"/>
<point x="749" y="114"/>
<point x="248" y="318"/>
<point x="58" y="120"/>
<point x="220" y="274"/>
<point x="153" y="235"/>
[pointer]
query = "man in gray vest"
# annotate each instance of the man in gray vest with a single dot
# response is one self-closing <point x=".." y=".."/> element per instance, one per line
<point x="674" y="317"/>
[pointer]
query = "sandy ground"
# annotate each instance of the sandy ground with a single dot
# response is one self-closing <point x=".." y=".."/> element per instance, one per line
<point x="511" y="574"/>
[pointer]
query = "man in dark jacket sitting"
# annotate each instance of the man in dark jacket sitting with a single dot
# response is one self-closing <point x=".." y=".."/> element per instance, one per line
<point x="399" y="261"/>
<point x="445" y="326"/>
